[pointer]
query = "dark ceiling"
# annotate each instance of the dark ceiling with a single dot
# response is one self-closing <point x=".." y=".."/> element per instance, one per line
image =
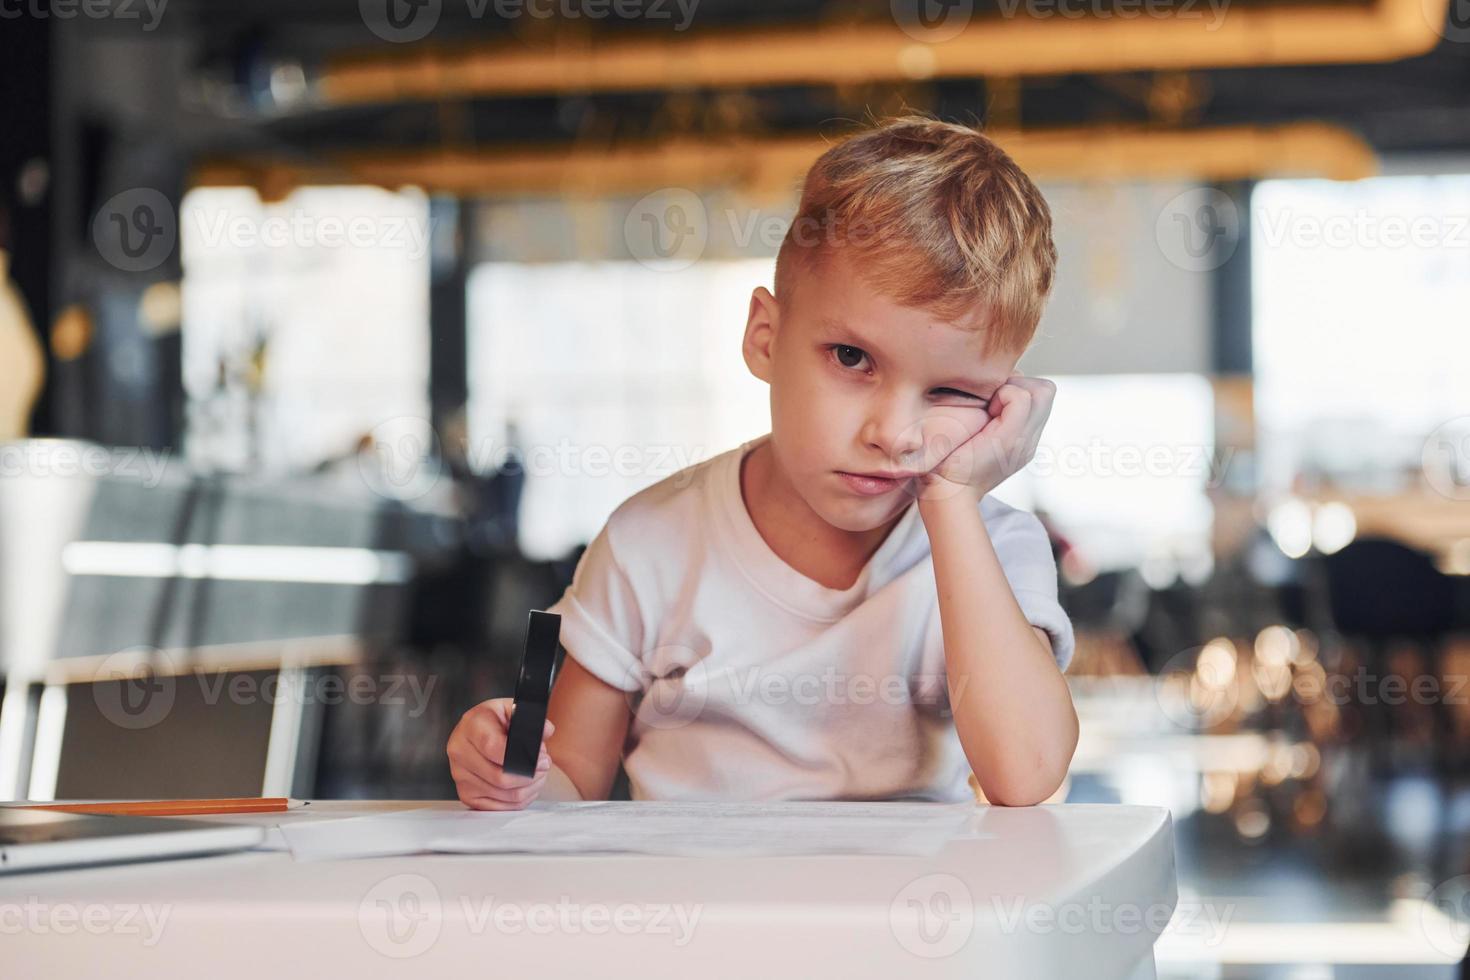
<point x="1420" y="105"/>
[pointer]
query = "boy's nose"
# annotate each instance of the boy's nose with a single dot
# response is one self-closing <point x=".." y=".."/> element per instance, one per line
<point x="899" y="438"/>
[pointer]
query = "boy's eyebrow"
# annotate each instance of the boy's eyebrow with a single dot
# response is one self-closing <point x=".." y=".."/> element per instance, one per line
<point x="834" y="325"/>
<point x="829" y="322"/>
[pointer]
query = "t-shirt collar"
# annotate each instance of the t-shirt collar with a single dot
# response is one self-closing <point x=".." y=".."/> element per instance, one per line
<point x="769" y="573"/>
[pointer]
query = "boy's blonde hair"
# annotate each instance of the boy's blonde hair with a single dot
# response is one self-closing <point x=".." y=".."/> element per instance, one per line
<point x="936" y="216"/>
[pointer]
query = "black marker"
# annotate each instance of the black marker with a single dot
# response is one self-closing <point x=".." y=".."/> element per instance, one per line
<point x="533" y="692"/>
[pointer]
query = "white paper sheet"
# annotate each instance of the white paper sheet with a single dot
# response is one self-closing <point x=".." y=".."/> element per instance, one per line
<point x="380" y="835"/>
<point x="689" y="829"/>
<point x="274" y="841"/>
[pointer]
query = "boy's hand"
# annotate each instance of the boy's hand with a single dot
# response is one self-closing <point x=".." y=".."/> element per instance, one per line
<point x="476" y="748"/>
<point x="1003" y="445"/>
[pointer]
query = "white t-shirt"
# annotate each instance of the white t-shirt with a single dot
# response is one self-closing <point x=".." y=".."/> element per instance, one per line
<point x="749" y="680"/>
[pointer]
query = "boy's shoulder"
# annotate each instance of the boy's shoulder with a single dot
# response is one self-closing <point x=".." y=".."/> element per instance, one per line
<point x="675" y="504"/>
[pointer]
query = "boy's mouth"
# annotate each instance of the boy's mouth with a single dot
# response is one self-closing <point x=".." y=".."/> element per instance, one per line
<point x="874" y="484"/>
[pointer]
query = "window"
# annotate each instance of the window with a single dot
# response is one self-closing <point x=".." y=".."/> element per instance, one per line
<point x="1122" y="468"/>
<point x="1361" y="346"/>
<point x="305" y="322"/>
<point x="609" y="376"/>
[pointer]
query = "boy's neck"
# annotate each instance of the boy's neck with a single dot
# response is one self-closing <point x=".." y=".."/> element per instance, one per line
<point x="798" y="535"/>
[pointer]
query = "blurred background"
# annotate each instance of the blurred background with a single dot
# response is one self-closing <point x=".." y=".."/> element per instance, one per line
<point x="330" y="333"/>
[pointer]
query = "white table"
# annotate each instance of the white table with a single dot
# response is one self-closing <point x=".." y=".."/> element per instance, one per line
<point x="1039" y="892"/>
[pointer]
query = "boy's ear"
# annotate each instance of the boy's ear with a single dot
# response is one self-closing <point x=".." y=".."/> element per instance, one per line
<point x="761" y="324"/>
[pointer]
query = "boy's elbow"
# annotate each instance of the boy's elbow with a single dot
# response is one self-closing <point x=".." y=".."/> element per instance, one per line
<point x="1025" y="775"/>
<point x="1028" y="787"/>
<point x="1021" y="792"/>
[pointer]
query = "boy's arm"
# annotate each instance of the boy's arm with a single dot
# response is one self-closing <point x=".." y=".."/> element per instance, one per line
<point x="1012" y="709"/>
<point x="591" y="719"/>
<point x="559" y="787"/>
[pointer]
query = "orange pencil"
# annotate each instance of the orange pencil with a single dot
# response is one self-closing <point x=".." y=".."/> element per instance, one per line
<point x="176" y="808"/>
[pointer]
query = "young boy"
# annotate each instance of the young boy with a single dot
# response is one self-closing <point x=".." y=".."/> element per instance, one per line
<point x="836" y="609"/>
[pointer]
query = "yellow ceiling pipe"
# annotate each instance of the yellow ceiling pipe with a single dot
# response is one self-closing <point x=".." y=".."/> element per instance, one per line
<point x="1194" y="34"/>
<point x="774" y="166"/>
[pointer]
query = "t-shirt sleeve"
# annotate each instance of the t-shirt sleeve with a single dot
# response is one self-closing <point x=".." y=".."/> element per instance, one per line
<point x="601" y="626"/>
<point x="1024" y="550"/>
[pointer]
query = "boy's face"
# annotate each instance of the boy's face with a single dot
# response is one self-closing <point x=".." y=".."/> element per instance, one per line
<point x="863" y="385"/>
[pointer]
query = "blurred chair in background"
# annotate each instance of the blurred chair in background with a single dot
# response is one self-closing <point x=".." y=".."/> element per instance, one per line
<point x="1390" y="602"/>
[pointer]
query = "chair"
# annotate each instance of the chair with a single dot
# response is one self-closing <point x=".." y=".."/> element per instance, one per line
<point x="1382" y="594"/>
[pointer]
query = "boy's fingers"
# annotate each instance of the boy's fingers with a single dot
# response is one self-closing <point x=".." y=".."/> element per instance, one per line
<point x="1041" y="394"/>
<point x="1037" y="386"/>
<point x="943" y="437"/>
<point x="1016" y="404"/>
<point x="493" y="770"/>
<point x="487" y="736"/>
<point x="489" y="803"/>
<point x="477" y="754"/>
<point x="478" y="785"/>
<point x="481" y="775"/>
<point x="1007" y="394"/>
<point x="1044" y="391"/>
<point x="465" y="762"/>
<point x="516" y="796"/>
<point x="485" y="730"/>
<point x="473" y="758"/>
<point x="502" y="711"/>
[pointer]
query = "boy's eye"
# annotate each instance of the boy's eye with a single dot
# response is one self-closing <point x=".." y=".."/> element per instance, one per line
<point x="847" y="355"/>
<point x="958" y="393"/>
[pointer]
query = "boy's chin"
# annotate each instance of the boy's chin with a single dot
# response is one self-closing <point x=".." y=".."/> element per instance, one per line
<point x="858" y="515"/>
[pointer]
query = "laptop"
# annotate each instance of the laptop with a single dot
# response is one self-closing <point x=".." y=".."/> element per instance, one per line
<point x="31" y="840"/>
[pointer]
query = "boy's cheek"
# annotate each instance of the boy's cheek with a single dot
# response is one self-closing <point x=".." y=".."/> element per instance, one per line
<point x="825" y="416"/>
